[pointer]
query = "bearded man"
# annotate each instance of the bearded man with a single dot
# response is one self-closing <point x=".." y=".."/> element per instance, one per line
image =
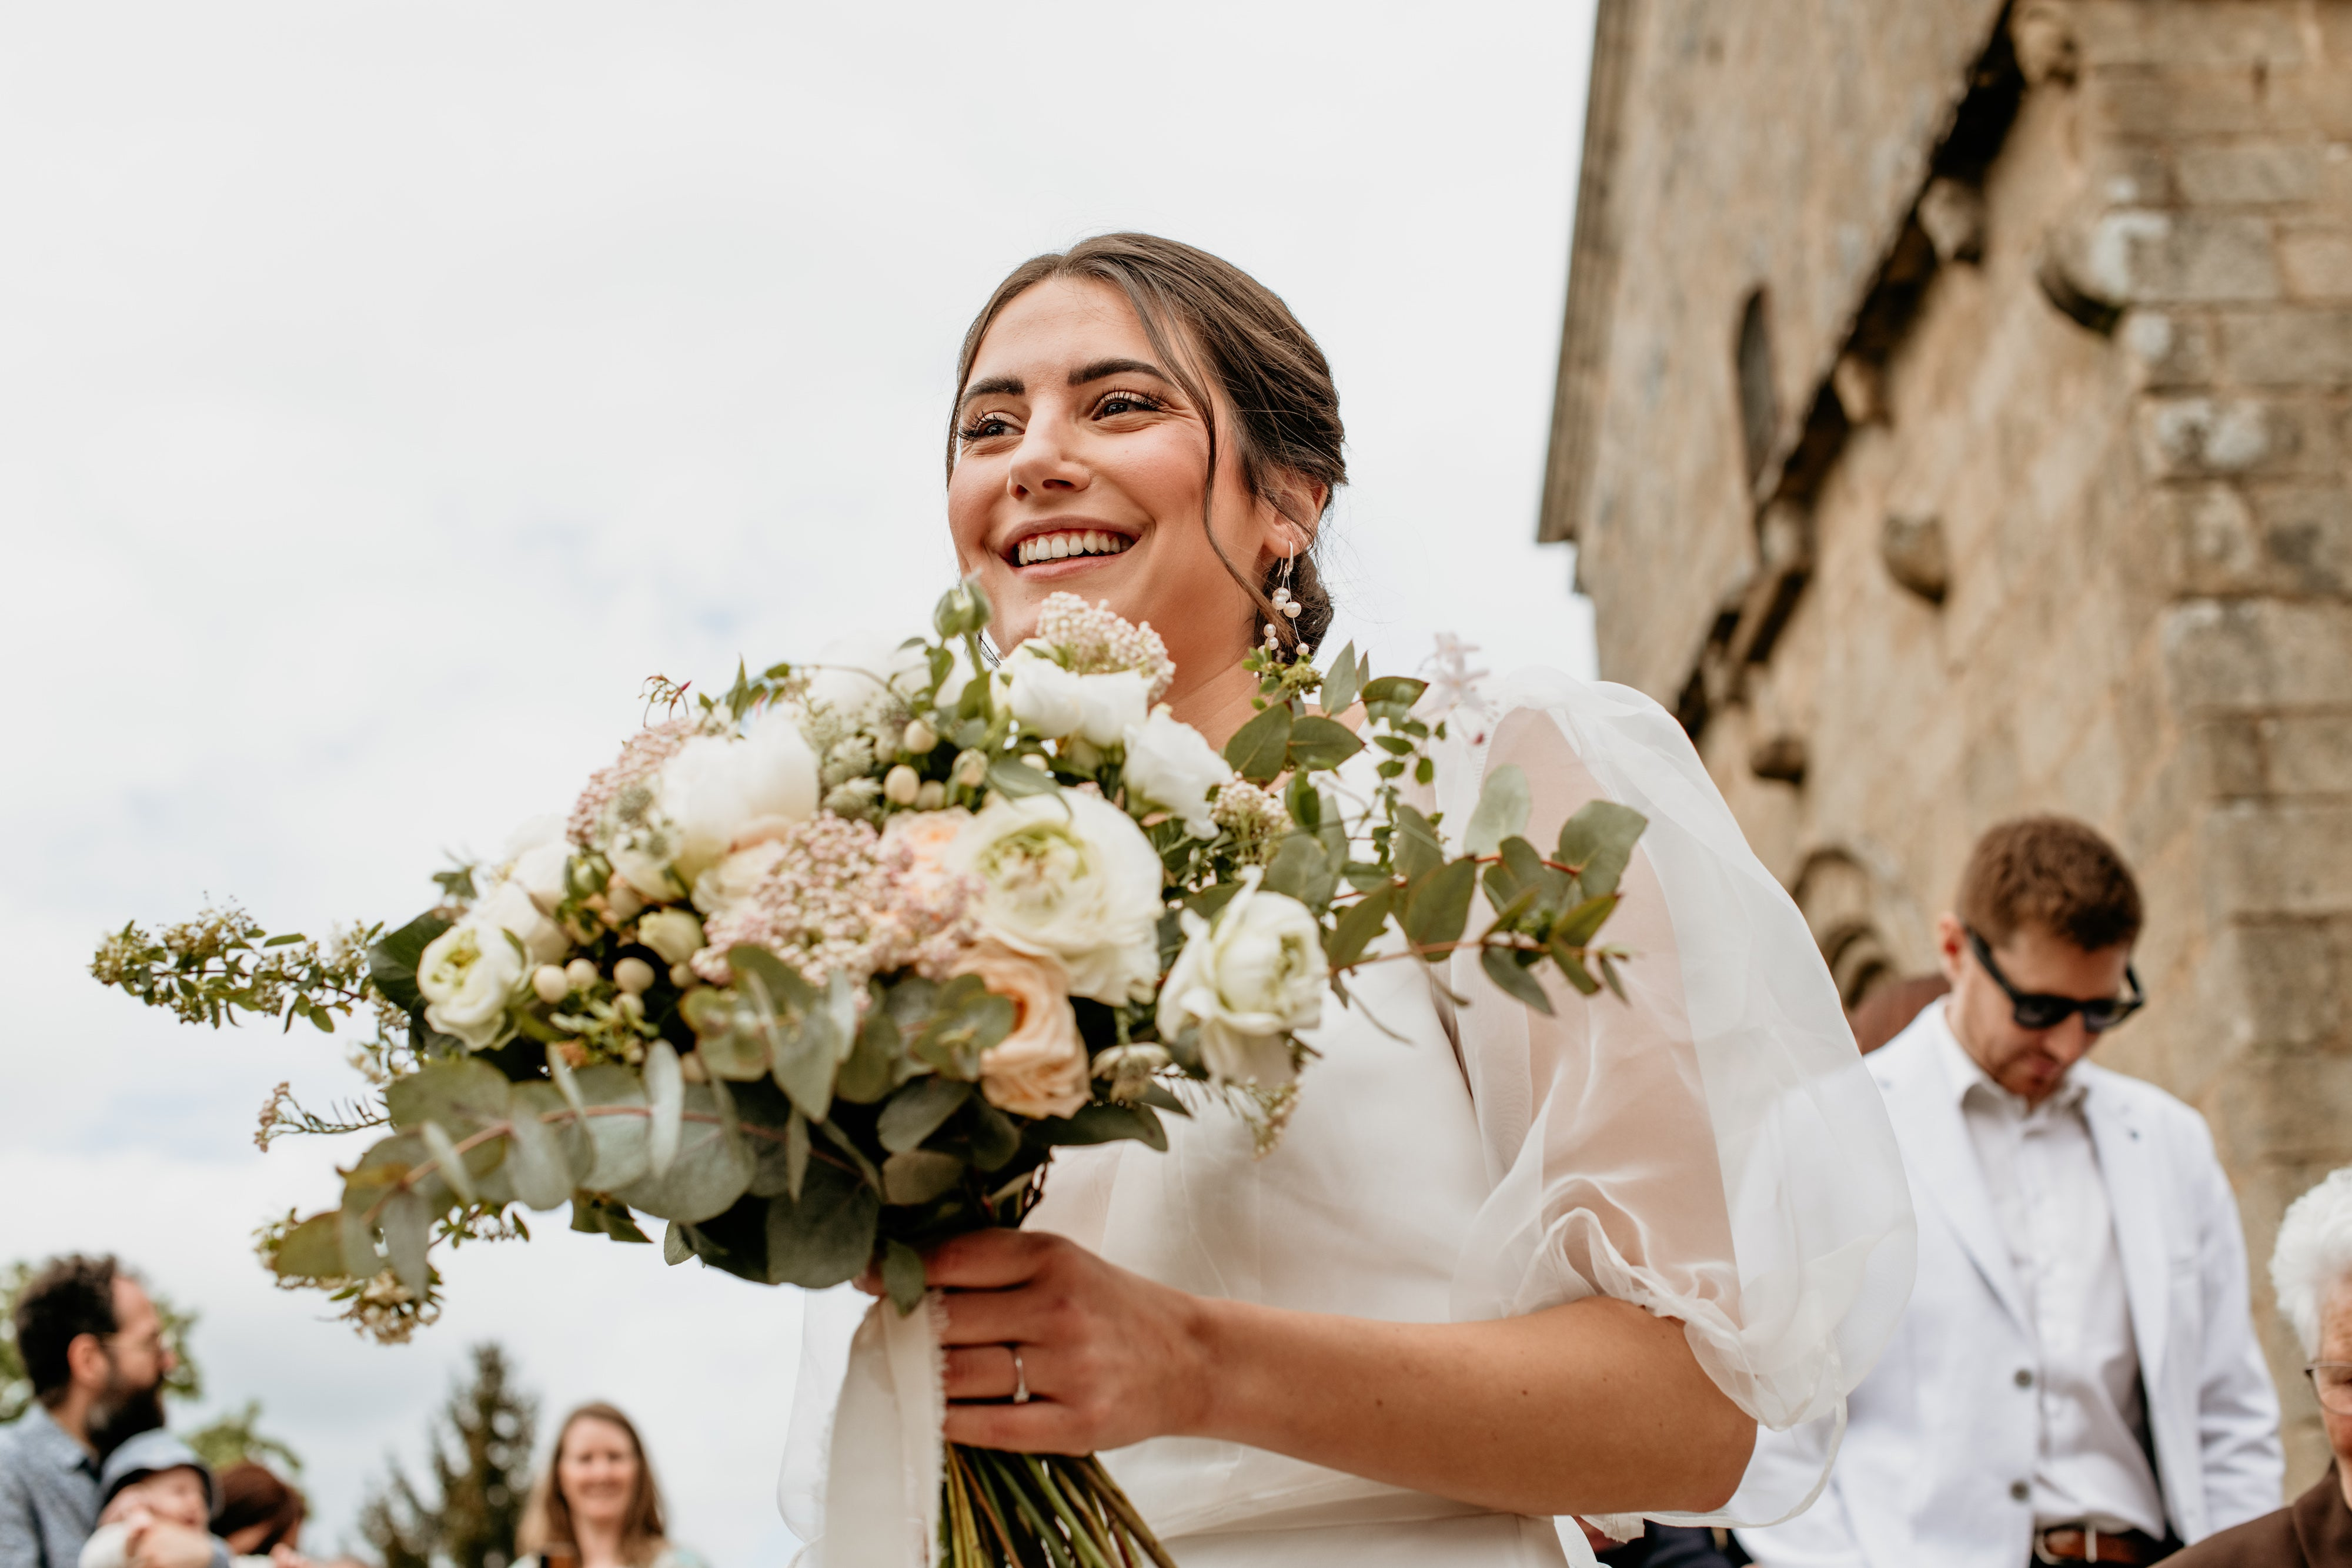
<point x="94" y="1349"/>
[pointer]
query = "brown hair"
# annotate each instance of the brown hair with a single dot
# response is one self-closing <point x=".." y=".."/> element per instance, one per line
<point x="546" y="1527"/>
<point x="1286" y="408"/>
<point x="71" y="1296"/>
<point x="2052" y="874"/>
<point x="250" y="1495"/>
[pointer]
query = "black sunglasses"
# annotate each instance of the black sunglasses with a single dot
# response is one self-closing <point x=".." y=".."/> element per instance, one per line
<point x="2033" y="1009"/>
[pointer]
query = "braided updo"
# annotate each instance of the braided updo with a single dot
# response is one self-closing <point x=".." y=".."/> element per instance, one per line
<point x="1285" y="409"/>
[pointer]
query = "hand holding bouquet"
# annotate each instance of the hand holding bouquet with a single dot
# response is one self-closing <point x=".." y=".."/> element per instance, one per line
<point x="821" y="973"/>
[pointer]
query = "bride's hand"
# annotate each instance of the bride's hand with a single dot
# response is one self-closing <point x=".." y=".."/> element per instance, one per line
<point x="1109" y="1357"/>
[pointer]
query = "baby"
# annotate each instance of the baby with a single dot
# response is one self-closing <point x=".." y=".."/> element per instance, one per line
<point x="154" y="1481"/>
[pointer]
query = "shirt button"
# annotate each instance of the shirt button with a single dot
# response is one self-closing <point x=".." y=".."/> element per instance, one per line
<point x="2018" y="1491"/>
<point x="2024" y="1378"/>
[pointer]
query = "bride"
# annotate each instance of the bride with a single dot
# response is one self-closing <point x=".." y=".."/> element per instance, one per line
<point x="1503" y="1270"/>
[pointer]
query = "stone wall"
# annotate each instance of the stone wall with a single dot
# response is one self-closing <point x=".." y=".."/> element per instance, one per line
<point x="2056" y="512"/>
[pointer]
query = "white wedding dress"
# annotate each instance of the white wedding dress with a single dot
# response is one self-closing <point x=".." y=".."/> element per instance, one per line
<point x="1712" y="1150"/>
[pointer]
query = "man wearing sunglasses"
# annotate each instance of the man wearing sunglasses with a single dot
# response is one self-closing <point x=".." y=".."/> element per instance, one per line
<point x="2076" y="1379"/>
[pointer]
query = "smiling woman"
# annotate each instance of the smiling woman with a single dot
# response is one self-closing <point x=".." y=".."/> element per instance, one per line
<point x="597" y="1505"/>
<point x="1550" y="1255"/>
<point x="1143" y="424"/>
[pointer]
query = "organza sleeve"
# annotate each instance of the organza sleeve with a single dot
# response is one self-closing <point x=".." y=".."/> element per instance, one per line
<point x="1711" y="1147"/>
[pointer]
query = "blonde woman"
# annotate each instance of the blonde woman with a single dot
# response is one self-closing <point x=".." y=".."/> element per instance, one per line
<point x="597" y="1505"/>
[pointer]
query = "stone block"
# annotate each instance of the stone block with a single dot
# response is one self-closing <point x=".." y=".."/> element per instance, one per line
<point x="2111" y="33"/>
<point x="2248" y="173"/>
<point x="2292" y="1105"/>
<point x="2257" y="654"/>
<point x="2172" y="349"/>
<point x="2309" y="754"/>
<point x="2230" y="757"/>
<point x="2188" y="437"/>
<point x="2163" y="106"/>
<point x="2289" y="979"/>
<point x="2304" y="348"/>
<point x="2278" y="856"/>
<point x="2305" y="534"/>
<point x="2135" y="256"/>
<point x="2211" y="540"/>
<point x="2317" y="263"/>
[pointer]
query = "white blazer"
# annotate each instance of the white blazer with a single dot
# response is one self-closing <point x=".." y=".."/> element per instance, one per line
<point x="1941" y="1431"/>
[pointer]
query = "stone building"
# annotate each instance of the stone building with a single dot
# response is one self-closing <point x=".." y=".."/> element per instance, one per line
<point x="1954" y="409"/>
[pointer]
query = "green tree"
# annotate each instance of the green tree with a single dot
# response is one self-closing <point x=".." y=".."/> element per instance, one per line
<point x="17" y="1389"/>
<point x="231" y="1439"/>
<point x="479" y="1458"/>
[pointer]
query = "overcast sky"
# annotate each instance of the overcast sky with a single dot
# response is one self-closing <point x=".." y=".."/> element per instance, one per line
<point x="387" y="389"/>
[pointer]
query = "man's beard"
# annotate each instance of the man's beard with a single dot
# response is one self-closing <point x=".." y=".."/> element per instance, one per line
<point x="123" y="1413"/>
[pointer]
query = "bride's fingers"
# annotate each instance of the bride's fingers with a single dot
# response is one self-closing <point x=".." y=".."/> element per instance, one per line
<point x="988" y="1259"/>
<point x="1041" y="1428"/>
<point x="991" y="1317"/>
<point x="987" y="1372"/>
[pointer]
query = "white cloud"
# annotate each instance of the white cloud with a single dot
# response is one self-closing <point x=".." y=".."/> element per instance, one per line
<point x="391" y="388"/>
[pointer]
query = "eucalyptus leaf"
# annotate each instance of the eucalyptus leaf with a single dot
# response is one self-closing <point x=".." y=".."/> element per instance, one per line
<point x="1319" y="743"/>
<point x="711" y="1170"/>
<point x="676" y="1245"/>
<point x="804" y="1052"/>
<point x="1341" y="681"/>
<point x="1101" y="1123"/>
<point x="460" y="1093"/>
<point x="407" y="1234"/>
<point x="919" y="1175"/>
<point x="1360" y="924"/>
<point x="902" y="1276"/>
<point x="1578" y="926"/>
<point x="1398" y="692"/>
<point x="537" y="1164"/>
<point x="1501" y="812"/>
<point x="312" y="1250"/>
<point x="994" y="1138"/>
<point x="600" y="1216"/>
<point x="1301" y="870"/>
<point x="1440" y="905"/>
<point x="1259" y="748"/>
<point x="448" y="1161"/>
<point x="1505" y="971"/>
<point x="617" y="1134"/>
<point x="916" y="1112"/>
<point x="826" y="1235"/>
<point x="355" y="1237"/>
<point x="1599" y="842"/>
<point x="1415" y="847"/>
<point x="872" y="1068"/>
<point x="666" y="1096"/>
<point x="796" y="1154"/>
<point x="731" y="1031"/>
<point x="1574" y="968"/>
<point x="559" y="1073"/>
<point x="1018" y="778"/>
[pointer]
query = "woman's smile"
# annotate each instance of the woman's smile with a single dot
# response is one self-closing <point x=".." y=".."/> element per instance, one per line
<point x="1055" y="549"/>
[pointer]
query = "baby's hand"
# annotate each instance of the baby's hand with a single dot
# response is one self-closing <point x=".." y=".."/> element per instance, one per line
<point x="126" y="1509"/>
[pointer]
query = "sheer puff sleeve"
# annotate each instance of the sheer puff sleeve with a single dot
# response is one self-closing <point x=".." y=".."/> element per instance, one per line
<point x="1712" y="1148"/>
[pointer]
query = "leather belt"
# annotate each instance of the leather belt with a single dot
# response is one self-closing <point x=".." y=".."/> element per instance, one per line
<point x="2083" y="1544"/>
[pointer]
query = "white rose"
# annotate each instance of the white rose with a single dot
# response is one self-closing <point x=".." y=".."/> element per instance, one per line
<point x="540" y="871"/>
<point x="1039" y="1068"/>
<point x="862" y="675"/>
<point x="1050" y="701"/>
<point x="721" y="789"/>
<point x="732" y="879"/>
<point x="511" y="907"/>
<point x="1072" y="876"/>
<point x="1247" y="978"/>
<point x="469" y="974"/>
<point x="674" y="934"/>
<point x="1171" y="765"/>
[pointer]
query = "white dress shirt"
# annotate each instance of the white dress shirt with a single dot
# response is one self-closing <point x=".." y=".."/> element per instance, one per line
<point x="2050" y="1201"/>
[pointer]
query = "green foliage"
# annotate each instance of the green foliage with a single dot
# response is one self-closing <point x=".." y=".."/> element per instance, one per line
<point x="478" y="1465"/>
<point x="234" y="1439"/>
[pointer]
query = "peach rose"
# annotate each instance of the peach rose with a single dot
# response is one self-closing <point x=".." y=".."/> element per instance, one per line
<point x="1039" y="1068"/>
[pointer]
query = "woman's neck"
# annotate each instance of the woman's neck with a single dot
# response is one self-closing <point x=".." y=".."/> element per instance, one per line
<point x="1217" y="705"/>
<point x="599" y="1541"/>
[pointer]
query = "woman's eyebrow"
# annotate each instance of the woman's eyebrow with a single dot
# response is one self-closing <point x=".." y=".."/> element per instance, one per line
<point x="1102" y="368"/>
<point x="995" y="386"/>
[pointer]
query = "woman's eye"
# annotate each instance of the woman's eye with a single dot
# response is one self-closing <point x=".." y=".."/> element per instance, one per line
<point x="1120" y="402"/>
<point x="983" y="428"/>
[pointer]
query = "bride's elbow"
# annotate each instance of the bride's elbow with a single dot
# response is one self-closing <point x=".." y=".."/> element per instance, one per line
<point x="1722" y="1451"/>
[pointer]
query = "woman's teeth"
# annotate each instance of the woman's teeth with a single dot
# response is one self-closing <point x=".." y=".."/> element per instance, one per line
<point x="1061" y="546"/>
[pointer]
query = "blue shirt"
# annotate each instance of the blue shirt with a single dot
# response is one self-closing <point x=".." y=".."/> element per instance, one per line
<point x="48" y="1494"/>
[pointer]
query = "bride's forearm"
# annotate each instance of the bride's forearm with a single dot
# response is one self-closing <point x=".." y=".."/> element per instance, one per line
<point x="1593" y="1407"/>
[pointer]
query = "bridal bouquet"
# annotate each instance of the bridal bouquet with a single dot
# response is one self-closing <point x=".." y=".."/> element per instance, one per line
<point x="821" y="971"/>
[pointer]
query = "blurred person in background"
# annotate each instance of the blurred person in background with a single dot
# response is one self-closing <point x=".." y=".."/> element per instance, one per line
<point x="597" y="1505"/>
<point x="2311" y="1271"/>
<point x="158" y="1501"/>
<point x="260" y="1515"/>
<point x="94" y="1350"/>
<point x="2076" y="1378"/>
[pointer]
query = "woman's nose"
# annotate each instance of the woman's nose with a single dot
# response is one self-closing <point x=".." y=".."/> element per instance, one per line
<point x="1043" y="463"/>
